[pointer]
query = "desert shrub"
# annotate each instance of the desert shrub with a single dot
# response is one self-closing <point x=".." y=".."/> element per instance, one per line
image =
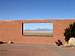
<point x="11" y="42"/>
<point x="69" y="32"/>
<point x="59" y="43"/>
<point x="2" y="42"/>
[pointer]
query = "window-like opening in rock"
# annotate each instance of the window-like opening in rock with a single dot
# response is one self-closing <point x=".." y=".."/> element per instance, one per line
<point x="38" y="29"/>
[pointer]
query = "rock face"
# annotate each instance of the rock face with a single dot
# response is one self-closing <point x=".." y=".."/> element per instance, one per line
<point x="10" y="42"/>
<point x="72" y="41"/>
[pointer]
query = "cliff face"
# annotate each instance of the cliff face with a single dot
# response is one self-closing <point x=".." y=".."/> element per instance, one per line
<point x="13" y="31"/>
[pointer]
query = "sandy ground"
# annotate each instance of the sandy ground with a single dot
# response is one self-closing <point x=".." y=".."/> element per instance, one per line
<point x="35" y="50"/>
<point x="38" y="33"/>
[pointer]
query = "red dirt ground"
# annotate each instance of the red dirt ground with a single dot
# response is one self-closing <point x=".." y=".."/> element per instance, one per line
<point x="35" y="50"/>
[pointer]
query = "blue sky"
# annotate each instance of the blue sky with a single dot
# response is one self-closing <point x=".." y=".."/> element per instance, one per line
<point x="37" y="26"/>
<point x="36" y="9"/>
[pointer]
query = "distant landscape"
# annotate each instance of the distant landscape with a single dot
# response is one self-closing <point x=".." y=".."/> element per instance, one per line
<point x="38" y="29"/>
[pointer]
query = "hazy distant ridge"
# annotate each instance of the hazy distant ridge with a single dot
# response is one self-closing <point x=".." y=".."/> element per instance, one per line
<point x="41" y="29"/>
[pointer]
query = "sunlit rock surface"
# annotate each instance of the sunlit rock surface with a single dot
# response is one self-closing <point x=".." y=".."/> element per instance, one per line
<point x="71" y="42"/>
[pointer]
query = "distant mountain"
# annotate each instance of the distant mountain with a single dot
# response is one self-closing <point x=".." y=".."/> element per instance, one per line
<point x="40" y="29"/>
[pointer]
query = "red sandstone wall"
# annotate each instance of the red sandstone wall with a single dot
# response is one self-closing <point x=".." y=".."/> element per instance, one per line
<point x="12" y="30"/>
